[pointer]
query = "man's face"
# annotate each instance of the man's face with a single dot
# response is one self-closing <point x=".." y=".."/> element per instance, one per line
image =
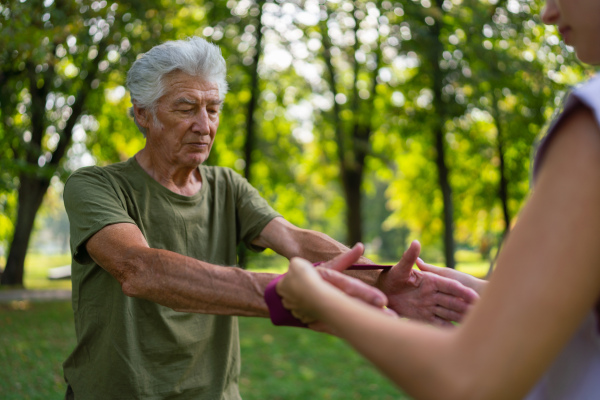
<point x="187" y="118"/>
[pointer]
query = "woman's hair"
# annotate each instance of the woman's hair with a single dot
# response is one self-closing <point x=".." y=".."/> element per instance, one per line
<point x="193" y="56"/>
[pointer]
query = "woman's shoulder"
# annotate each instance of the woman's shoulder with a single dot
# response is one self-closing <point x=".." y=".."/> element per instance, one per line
<point x="575" y="140"/>
<point x="588" y="94"/>
<point x="580" y="104"/>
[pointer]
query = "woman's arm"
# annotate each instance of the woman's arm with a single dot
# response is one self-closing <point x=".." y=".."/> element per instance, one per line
<point x="547" y="280"/>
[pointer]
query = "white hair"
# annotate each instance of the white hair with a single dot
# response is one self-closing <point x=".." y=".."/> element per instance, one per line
<point x="193" y="56"/>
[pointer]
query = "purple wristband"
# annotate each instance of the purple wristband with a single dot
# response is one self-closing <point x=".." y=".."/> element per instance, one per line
<point x="280" y="315"/>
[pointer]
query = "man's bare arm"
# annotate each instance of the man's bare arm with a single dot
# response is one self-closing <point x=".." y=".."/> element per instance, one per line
<point x="290" y="241"/>
<point x="176" y="281"/>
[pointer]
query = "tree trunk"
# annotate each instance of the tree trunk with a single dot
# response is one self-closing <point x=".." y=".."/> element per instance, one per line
<point x="447" y="198"/>
<point x="249" y="146"/>
<point x="31" y="194"/>
<point x="255" y="93"/>
<point x="443" y="172"/>
<point x="352" y="179"/>
<point x="503" y="184"/>
<point x="352" y="142"/>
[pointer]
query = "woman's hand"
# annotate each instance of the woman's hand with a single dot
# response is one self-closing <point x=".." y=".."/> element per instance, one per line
<point x="468" y="280"/>
<point x="305" y="289"/>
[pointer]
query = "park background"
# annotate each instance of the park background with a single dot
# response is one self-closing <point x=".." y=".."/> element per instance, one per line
<point x="372" y="121"/>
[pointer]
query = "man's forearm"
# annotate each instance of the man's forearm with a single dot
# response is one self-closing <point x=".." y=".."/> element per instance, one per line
<point x="291" y="241"/>
<point x="189" y="285"/>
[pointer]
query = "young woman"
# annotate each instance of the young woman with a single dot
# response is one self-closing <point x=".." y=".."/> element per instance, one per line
<point x="535" y="331"/>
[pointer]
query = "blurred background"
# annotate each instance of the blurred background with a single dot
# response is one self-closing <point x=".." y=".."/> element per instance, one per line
<point x="373" y="121"/>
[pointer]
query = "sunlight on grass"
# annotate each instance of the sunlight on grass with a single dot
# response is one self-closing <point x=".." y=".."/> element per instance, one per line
<point x="36" y="271"/>
<point x="477" y="269"/>
<point x="38" y="265"/>
<point x="467" y="261"/>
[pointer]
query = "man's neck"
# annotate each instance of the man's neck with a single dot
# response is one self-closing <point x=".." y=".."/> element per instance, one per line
<point x="183" y="180"/>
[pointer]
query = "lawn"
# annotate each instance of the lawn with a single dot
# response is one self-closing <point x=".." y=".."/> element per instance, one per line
<point x="277" y="363"/>
<point x="36" y="271"/>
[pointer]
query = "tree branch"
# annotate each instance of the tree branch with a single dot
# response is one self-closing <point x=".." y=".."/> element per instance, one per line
<point x="78" y="105"/>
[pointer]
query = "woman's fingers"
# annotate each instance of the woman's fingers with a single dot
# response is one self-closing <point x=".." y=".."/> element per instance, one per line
<point x="354" y="287"/>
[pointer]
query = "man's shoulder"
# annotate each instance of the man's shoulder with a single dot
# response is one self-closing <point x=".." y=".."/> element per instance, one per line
<point x="216" y="173"/>
<point x="96" y="170"/>
<point x="93" y="174"/>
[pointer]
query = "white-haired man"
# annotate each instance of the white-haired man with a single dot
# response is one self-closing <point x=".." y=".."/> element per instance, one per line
<point x="154" y="240"/>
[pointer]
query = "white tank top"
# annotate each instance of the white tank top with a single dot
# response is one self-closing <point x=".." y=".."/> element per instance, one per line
<point x="575" y="373"/>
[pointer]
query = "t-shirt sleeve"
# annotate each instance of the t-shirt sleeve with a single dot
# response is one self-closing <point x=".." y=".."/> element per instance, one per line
<point x="253" y="212"/>
<point x="92" y="202"/>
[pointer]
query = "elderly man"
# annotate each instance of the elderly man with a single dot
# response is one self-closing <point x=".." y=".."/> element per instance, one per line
<point x="154" y="244"/>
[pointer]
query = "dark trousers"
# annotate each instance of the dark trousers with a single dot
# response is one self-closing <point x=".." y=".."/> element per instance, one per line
<point x="69" y="395"/>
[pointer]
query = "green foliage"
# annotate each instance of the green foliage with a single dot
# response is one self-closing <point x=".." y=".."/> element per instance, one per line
<point x="54" y="78"/>
<point x="503" y="75"/>
<point x="7" y="216"/>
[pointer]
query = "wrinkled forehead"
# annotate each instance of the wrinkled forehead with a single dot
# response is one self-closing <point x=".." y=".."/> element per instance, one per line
<point x="180" y="87"/>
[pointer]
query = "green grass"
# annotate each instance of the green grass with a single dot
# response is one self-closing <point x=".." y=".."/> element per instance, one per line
<point x="36" y="271"/>
<point x="291" y="363"/>
<point x="35" y="340"/>
<point x="277" y="363"/>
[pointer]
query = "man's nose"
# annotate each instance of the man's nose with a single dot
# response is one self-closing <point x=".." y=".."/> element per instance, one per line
<point x="201" y="123"/>
<point x="550" y="13"/>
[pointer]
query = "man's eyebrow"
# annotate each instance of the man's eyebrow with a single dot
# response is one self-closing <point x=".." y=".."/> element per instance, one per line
<point x="184" y="100"/>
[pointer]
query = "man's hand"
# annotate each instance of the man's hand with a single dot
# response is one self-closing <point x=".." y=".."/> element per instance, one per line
<point x="423" y="295"/>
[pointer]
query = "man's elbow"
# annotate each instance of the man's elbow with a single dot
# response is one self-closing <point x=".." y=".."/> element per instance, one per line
<point x="130" y="288"/>
<point x="130" y="275"/>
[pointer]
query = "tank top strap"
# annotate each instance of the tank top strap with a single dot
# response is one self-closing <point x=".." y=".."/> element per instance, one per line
<point x="587" y="95"/>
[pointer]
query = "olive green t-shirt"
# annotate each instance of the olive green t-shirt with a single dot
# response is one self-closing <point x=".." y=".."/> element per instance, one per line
<point x="129" y="348"/>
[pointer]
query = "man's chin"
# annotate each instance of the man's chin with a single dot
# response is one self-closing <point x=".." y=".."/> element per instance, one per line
<point x="197" y="159"/>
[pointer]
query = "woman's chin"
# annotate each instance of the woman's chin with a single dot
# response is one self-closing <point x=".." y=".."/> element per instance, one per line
<point x="588" y="57"/>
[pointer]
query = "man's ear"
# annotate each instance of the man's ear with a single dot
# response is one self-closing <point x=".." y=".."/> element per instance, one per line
<point x="142" y="116"/>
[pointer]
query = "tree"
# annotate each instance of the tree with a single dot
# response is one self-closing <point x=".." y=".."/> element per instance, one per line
<point x="50" y="79"/>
